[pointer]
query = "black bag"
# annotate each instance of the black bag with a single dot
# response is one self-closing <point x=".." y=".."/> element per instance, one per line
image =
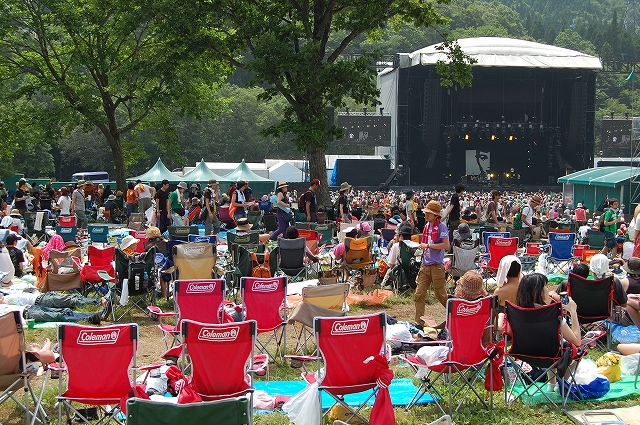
<point x="137" y="268"/>
<point x="302" y="205"/>
<point x="180" y="211"/>
<point x="414" y="268"/>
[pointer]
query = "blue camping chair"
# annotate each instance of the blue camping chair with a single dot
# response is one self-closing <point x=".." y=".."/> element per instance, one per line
<point x="212" y="239"/>
<point x="561" y="255"/>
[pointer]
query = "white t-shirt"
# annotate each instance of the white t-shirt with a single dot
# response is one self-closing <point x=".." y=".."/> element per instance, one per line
<point x="394" y="252"/>
<point x="64" y="202"/>
<point x="146" y="193"/>
<point x="6" y="308"/>
<point x="21" y="298"/>
<point x="583" y="230"/>
<point x="527" y="214"/>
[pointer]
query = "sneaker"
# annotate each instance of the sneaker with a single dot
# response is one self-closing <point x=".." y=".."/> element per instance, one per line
<point x="94" y="319"/>
<point x="106" y="311"/>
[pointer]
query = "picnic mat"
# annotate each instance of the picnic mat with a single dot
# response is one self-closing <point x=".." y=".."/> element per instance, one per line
<point x="630" y="415"/>
<point x="401" y="390"/>
<point x="620" y="389"/>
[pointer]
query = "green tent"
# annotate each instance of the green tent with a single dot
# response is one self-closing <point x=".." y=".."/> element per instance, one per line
<point x="157" y="173"/>
<point x="259" y="185"/>
<point x="202" y="174"/>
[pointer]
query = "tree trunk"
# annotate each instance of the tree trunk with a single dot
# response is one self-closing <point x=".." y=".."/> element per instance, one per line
<point x="118" y="160"/>
<point x="318" y="170"/>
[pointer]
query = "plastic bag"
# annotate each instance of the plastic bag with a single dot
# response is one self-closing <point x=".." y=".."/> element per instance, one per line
<point x="398" y="333"/>
<point x="304" y="407"/>
<point x="629" y="364"/>
<point x="609" y="366"/>
<point x="595" y="389"/>
<point x="433" y="354"/>
<point x="263" y="401"/>
<point x="586" y="371"/>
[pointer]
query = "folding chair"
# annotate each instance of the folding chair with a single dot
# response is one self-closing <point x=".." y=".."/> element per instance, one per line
<point x="464" y="259"/>
<point x="99" y="259"/>
<point x="578" y="250"/>
<point x="292" y="253"/>
<point x="182" y="233"/>
<point x="544" y="351"/>
<point x="59" y="262"/>
<point x="470" y="326"/>
<point x="596" y="239"/>
<point x="264" y="300"/>
<point x="142" y="237"/>
<point x="561" y="256"/>
<point x="325" y="233"/>
<point x="357" y="252"/>
<point x="230" y="411"/>
<point x="68" y="233"/>
<point x="243" y="265"/>
<point x="594" y="301"/>
<point x="201" y="300"/>
<point x="255" y="218"/>
<point x="13" y="370"/>
<point x="344" y="343"/>
<point x="487" y="235"/>
<point x="113" y="348"/>
<point x="221" y="357"/>
<point x="234" y="240"/>
<point x="212" y="239"/>
<point x="140" y="290"/>
<point x="194" y="260"/>
<point x="312" y="239"/>
<point x="499" y="248"/>
<point x="323" y="301"/>
<point x="98" y="233"/>
<point x="270" y="221"/>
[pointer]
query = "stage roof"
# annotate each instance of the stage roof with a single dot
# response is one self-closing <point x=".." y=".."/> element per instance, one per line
<point x="601" y="176"/>
<point x="506" y="52"/>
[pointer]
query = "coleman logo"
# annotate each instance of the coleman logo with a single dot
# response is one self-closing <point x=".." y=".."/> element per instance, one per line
<point x="193" y="251"/>
<point x="354" y="326"/>
<point x="563" y="237"/>
<point x="200" y="288"/>
<point x="201" y="239"/>
<point x="97" y="230"/>
<point x="261" y="286"/>
<point x="219" y="335"/>
<point x="503" y="242"/>
<point x="468" y="309"/>
<point x="98" y="336"/>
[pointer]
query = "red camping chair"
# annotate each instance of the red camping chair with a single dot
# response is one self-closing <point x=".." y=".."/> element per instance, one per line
<point x="221" y="357"/>
<point x="198" y="299"/>
<point x="499" y="248"/>
<point x="100" y="259"/>
<point x="344" y="343"/>
<point x="82" y="349"/>
<point x="467" y="322"/>
<point x="312" y="238"/>
<point x="142" y="240"/>
<point x="264" y="300"/>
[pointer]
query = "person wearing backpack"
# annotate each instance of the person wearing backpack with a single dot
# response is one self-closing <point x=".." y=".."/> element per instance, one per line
<point x="610" y="221"/>
<point x="526" y="215"/>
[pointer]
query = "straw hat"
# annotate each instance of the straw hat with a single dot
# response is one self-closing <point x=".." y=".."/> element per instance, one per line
<point x="153" y="232"/>
<point x="433" y="207"/>
<point x="282" y="184"/>
<point x="344" y="186"/>
<point x="15" y="213"/>
<point x="243" y="224"/>
<point x="80" y="183"/>
<point x="128" y="241"/>
<point x="537" y="199"/>
<point x="469" y="286"/>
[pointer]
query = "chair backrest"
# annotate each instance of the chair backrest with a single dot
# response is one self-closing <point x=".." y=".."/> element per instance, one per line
<point x="533" y="248"/>
<point x="234" y="240"/>
<point x="292" y="253"/>
<point x="312" y="238"/>
<point x="122" y="267"/>
<point x="59" y="259"/>
<point x="141" y="235"/>
<point x="223" y="213"/>
<point x="255" y="218"/>
<point x="499" y="248"/>
<point x="212" y="239"/>
<point x="387" y="234"/>
<point x="561" y="230"/>
<point x="587" y="254"/>
<point x="578" y="250"/>
<point x="464" y="259"/>
<point x="487" y="235"/>
<point x="113" y="348"/>
<point x="466" y="324"/>
<point x="98" y="232"/>
<point x="544" y="322"/>
<point x="11" y="348"/>
<point x="357" y="252"/>
<point x="182" y="233"/>
<point x="407" y="252"/>
<point x="194" y="260"/>
<point x="593" y="298"/>
<point x="325" y="232"/>
<point x="596" y="239"/>
<point x="67" y="221"/>
<point x="220" y="356"/>
<point x="263" y="300"/>
<point x="201" y="300"/>
<point x="344" y="343"/>
<point x="68" y="233"/>
<point x="100" y="256"/>
<point x="230" y="411"/>
<point x="332" y="297"/>
<point x="562" y="245"/>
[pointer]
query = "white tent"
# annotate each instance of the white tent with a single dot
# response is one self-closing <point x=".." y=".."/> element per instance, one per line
<point x="285" y="171"/>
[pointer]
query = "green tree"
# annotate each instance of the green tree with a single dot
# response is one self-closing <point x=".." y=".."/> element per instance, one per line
<point x="291" y="54"/>
<point x="571" y="40"/>
<point x="102" y="66"/>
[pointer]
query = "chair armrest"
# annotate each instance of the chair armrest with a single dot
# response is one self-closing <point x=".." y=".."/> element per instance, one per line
<point x="57" y="367"/>
<point x="156" y="310"/>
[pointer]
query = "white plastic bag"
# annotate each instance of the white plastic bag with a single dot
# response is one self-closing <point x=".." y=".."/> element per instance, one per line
<point x="398" y="333"/>
<point x="263" y="401"/>
<point x="586" y="371"/>
<point x="631" y="230"/>
<point x="304" y="407"/>
<point x="431" y="355"/>
<point x="629" y="364"/>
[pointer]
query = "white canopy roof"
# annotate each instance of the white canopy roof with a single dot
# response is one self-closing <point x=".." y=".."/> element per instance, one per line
<point x="503" y="52"/>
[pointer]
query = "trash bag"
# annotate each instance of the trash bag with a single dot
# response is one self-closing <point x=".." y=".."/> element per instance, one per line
<point x="304" y="407"/>
<point x="629" y="364"/>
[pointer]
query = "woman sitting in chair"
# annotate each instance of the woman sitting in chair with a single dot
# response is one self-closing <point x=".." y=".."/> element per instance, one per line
<point x="508" y="280"/>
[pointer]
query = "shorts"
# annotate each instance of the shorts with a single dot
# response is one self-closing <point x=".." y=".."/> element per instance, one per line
<point x="610" y="240"/>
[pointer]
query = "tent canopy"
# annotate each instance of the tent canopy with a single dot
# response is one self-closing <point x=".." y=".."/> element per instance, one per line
<point x="612" y="177"/>
<point x="285" y="171"/>
<point x="259" y="185"/>
<point x="201" y="174"/>
<point x="157" y="173"/>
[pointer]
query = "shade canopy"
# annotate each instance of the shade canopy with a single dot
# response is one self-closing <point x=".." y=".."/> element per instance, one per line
<point x="612" y="177"/>
<point x="201" y="174"/>
<point x="259" y="185"/>
<point x="157" y="173"/>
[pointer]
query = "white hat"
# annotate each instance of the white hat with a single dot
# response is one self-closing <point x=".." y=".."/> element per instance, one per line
<point x="127" y="241"/>
<point x="599" y="264"/>
<point x="183" y="185"/>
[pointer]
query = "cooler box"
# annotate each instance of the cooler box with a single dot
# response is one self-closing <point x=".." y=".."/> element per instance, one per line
<point x="98" y="232"/>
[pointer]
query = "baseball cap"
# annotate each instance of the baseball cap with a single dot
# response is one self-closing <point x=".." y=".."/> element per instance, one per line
<point x="316" y="182"/>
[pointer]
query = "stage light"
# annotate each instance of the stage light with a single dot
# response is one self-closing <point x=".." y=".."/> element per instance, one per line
<point x="511" y="138"/>
<point x="493" y="137"/>
<point x="466" y="137"/>
<point x="507" y="175"/>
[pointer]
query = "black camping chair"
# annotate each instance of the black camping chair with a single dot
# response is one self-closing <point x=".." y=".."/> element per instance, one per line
<point x="594" y="301"/>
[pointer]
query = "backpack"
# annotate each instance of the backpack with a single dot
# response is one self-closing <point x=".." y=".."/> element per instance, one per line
<point x="517" y="220"/>
<point x="302" y="206"/>
<point x="260" y="269"/>
<point x="136" y="270"/>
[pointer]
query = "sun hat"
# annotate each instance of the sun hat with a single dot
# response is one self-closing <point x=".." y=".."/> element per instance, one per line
<point x="183" y="185"/>
<point x="243" y="224"/>
<point x="344" y="186"/>
<point x="464" y="231"/>
<point x="316" y="182"/>
<point x="15" y="213"/>
<point x="599" y="264"/>
<point x="127" y="241"/>
<point x="537" y="199"/>
<point x="364" y="227"/>
<point x="282" y="184"/>
<point x="153" y="232"/>
<point x="213" y="181"/>
<point x="469" y="286"/>
<point x="80" y="183"/>
<point x="111" y="198"/>
<point x="632" y="266"/>
<point x="89" y="183"/>
<point x="349" y="229"/>
<point x="433" y="207"/>
<point x="580" y="205"/>
<point x="70" y="244"/>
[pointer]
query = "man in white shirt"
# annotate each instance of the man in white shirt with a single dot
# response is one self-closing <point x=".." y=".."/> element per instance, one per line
<point x="144" y="195"/>
<point x="527" y="212"/>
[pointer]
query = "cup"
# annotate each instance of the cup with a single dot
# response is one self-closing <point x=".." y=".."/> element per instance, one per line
<point x="31" y="323"/>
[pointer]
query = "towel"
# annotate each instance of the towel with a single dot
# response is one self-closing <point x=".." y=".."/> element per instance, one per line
<point x="38" y="224"/>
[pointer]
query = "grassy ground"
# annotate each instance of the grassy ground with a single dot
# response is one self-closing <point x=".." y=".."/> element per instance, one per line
<point x="472" y="412"/>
